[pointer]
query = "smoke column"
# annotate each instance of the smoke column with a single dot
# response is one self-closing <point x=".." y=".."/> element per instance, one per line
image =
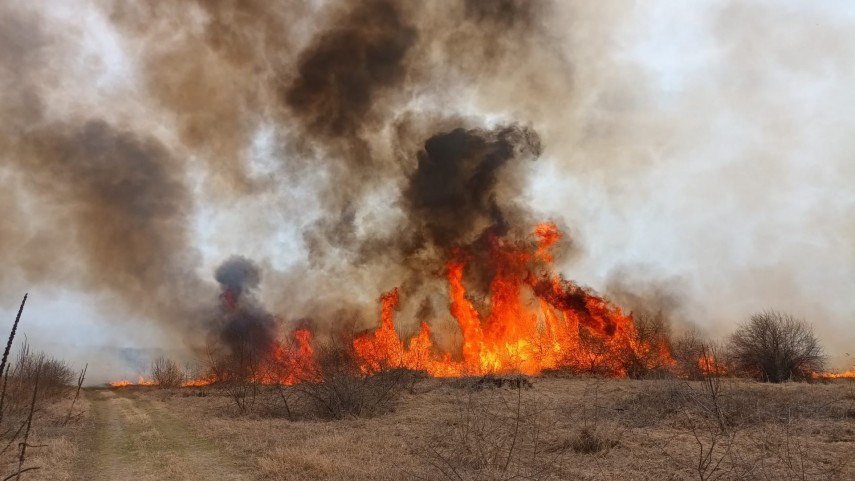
<point x="342" y="148"/>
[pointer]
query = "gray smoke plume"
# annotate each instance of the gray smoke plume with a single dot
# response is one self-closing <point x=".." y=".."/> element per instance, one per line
<point x="345" y="147"/>
<point x="127" y="194"/>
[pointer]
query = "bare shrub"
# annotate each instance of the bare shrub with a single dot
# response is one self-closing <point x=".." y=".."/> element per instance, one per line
<point x="687" y="351"/>
<point x="29" y="383"/>
<point x="238" y="372"/>
<point x="637" y="356"/>
<point x="776" y="347"/>
<point x="54" y="377"/>
<point x="595" y="355"/>
<point x="166" y="373"/>
<point x="340" y="390"/>
<point x="703" y="415"/>
<point x="641" y="357"/>
<point x="497" y="434"/>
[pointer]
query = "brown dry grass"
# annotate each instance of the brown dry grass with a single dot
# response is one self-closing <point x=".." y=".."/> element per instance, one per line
<point x="59" y="444"/>
<point x="559" y="429"/>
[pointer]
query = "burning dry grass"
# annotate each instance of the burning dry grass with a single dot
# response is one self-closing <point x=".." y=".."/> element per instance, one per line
<point x="570" y="428"/>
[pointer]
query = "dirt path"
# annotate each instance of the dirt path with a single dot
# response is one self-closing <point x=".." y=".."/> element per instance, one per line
<point x="135" y="438"/>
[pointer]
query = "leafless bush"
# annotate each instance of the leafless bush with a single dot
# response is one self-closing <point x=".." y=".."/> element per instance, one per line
<point x="638" y="356"/>
<point x="54" y="375"/>
<point x="703" y="414"/>
<point x="776" y="347"/>
<point x="642" y="357"/>
<point x="166" y="373"/>
<point x="243" y="368"/>
<point x="687" y="351"/>
<point x="339" y="390"/>
<point x="594" y="356"/>
<point x="238" y="371"/>
<point x="710" y="398"/>
<point x="497" y="434"/>
<point x="771" y="452"/>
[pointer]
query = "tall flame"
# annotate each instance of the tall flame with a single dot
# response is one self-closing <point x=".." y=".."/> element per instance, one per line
<point x="535" y="322"/>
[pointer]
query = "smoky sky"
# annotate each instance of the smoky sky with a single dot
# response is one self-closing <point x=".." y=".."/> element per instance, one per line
<point x="697" y="165"/>
<point x="127" y="196"/>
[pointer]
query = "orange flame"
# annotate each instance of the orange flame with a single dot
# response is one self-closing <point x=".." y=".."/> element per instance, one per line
<point x="850" y="374"/>
<point x="708" y="364"/>
<point x="535" y="323"/>
<point x="140" y="382"/>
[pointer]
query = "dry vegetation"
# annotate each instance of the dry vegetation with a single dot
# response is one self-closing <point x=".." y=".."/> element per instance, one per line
<point x="544" y="428"/>
<point x="695" y="420"/>
<point x="692" y="421"/>
<point x="41" y="414"/>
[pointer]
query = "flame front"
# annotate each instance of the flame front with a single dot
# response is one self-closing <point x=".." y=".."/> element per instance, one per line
<point x="850" y="374"/>
<point x="537" y="321"/>
<point x="140" y="382"/>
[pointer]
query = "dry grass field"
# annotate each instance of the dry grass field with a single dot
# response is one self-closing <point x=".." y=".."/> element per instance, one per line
<point x="464" y="429"/>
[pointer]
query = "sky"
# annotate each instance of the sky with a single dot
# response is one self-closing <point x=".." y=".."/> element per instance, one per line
<point x="698" y="149"/>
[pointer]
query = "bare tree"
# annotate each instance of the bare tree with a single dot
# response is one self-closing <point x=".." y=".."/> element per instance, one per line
<point x="166" y="372"/>
<point x="642" y="355"/>
<point x="776" y="347"/>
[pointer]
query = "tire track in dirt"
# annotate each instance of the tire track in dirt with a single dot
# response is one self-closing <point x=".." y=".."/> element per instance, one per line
<point x="134" y="438"/>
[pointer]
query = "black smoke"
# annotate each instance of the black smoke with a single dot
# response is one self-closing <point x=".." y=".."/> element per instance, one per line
<point x="453" y="191"/>
<point x="244" y="325"/>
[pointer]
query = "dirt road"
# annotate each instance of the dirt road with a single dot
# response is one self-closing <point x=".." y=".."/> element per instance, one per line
<point x="136" y="438"/>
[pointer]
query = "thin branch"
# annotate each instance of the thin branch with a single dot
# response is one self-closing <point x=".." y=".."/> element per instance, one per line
<point x="77" y="394"/>
<point x="12" y="334"/>
<point x="19" y="473"/>
<point x="29" y="424"/>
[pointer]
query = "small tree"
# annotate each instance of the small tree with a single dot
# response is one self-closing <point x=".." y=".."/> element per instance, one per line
<point x="166" y="372"/>
<point x="646" y="351"/>
<point x="776" y="347"/>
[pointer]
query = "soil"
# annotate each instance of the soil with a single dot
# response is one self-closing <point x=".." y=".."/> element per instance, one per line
<point x="135" y="437"/>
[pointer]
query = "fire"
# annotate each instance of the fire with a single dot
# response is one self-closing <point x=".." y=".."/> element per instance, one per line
<point x="850" y="374"/>
<point x="536" y="321"/>
<point x="291" y="363"/>
<point x="206" y="381"/>
<point x="707" y="364"/>
<point x="140" y="382"/>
